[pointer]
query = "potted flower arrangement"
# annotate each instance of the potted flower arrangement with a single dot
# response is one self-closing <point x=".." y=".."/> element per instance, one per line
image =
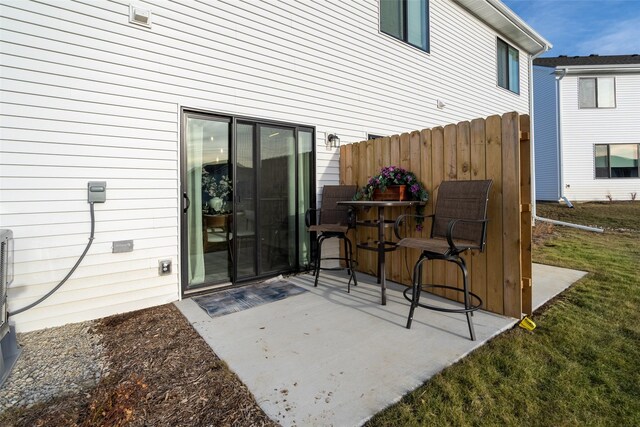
<point x="395" y="176"/>
<point x="218" y="190"/>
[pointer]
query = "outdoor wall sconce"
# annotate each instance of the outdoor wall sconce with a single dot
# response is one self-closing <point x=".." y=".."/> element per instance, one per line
<point x="333" y="140"/>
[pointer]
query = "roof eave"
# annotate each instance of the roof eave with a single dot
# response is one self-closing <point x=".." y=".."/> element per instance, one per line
<point x="599" y="69"/>
<point x="498" y="16"/>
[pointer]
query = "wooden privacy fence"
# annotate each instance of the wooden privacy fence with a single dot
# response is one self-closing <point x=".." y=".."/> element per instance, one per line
<point x="496" y="148"/>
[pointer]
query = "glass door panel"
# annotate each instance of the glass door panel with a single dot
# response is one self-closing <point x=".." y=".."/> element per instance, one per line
<point x="277" y="199"/>
<point x="209" y="190"/>
<point x="305" y="174"/>
<point x="245" y="199"/>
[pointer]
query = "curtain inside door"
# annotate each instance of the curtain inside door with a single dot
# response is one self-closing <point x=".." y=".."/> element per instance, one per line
<point x="305" y="157"/>
<point x="194" y="192"/>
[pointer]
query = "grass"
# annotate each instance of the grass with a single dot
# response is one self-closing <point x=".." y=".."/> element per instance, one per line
<point x="579" y="366"/>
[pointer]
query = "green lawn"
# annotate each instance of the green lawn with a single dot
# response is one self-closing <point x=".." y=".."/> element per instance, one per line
<point x="581" y="365"/>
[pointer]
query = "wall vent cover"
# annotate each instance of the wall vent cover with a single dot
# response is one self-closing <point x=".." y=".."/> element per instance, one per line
<point x="139" y="16"/>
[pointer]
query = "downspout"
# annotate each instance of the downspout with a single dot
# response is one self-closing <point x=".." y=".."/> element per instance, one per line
<point x="559" y="77"/>
<point x="560" y="179"/>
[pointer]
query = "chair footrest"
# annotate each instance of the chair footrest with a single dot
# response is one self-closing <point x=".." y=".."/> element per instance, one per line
<point x="355" y="263"/>
<point x="388" y="246"/>
<point x="473" y="307"/>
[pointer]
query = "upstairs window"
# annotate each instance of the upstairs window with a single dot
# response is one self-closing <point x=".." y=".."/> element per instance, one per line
<point x="616" y="160"/>
<point x="508" y="67"/>
<point x="406" y="20"/>
<point x="597" y="92"/>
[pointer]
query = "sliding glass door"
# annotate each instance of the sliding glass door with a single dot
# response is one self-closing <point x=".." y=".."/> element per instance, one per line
<point x="247" y="185"/>
<point x="208" y="191"/>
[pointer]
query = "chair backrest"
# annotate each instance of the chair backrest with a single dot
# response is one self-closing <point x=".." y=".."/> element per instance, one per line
<point x="462" y="200"/>
<point x="330" y="213"/>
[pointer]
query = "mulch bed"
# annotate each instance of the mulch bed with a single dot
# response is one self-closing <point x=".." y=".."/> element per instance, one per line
<point x="161" y="373"/>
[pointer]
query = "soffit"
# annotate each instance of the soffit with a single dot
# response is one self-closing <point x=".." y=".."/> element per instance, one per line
<point x="498" y="16"/>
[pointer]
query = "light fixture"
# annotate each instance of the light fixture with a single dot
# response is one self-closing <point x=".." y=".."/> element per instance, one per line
<point x="440" y="104"/>
<point x="333" y="140"/>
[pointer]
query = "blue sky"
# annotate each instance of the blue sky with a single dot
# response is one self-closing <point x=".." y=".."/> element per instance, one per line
<point x="583" y="27"/>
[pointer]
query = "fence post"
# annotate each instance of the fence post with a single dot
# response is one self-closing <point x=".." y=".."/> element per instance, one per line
<point x="525" y="214"/>
<point x="511" y="215"/>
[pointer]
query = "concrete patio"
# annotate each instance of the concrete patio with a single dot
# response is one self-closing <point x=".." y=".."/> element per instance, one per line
<point x="326" y="357"/>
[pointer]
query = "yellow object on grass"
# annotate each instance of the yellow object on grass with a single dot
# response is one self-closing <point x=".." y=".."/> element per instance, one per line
<point x="527" y="324"/>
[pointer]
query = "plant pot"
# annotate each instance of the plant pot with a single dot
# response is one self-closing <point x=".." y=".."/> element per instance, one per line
<point x="393" y="192"/>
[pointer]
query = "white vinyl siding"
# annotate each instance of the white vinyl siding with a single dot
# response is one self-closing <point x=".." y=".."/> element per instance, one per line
<point x="545" y="136"/>
<point x="85" y="96"/>
<point x="583" y="129"/>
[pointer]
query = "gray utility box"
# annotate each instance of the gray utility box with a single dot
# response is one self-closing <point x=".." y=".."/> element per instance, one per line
<point x="9" y="350"/>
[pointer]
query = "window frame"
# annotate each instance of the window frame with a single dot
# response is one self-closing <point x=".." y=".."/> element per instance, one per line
<point x="597" y="107"/>
<point x="507" y="65"/>
<point x="608" y="146"/>
<point x="405" y="27"/>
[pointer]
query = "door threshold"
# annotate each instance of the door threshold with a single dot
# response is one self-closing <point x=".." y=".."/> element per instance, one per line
<point x="200" y="290"/>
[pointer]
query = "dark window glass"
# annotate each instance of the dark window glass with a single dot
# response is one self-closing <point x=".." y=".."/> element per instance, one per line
<point x="407" y="20"/>
<point x="602" y="161"/>
<point x="624" y="160"/>
<point x="371" y="136"/>
<point x="508" y="59"/>
<point x="417" y="23"/>
<point x="514" y="70"/>
<point x="391" y="18"/>
<point x="617" y="160"/>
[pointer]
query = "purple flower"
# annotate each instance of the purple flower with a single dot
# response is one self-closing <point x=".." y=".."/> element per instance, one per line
<point x="415" y="188"/>
<point x="408" y="178"/>
<point x="419" y="227"/>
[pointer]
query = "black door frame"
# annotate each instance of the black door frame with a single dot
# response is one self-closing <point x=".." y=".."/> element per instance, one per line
<point x="183" y="204"/>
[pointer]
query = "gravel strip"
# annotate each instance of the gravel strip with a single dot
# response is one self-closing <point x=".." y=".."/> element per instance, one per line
<point x="54" y="362"/>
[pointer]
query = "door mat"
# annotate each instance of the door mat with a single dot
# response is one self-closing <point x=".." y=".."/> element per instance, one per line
<point x="238" y="299"/>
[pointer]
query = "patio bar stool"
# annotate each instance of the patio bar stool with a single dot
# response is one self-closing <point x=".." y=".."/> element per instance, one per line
<point x="334" y="222"/>
<point x="459" y="224"/>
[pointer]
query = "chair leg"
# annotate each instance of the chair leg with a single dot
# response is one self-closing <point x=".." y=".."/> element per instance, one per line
<point x="346" y="253"/>
<point x="467" y="299"/>
<point x="349" y="256"/>
<point x="347" y="262"/>
<point x="318" y="258"/>
<point x="416" y="289"/>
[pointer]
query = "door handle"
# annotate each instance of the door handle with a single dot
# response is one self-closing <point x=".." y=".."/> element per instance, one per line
<point x="186" y="198"/>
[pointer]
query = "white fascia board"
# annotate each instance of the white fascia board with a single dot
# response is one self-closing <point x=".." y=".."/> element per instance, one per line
<point x="598" y="69"/>
<point x="498" y="16"/>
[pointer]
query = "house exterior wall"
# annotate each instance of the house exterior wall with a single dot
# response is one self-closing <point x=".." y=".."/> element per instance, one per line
<point x="545" y="134"/>
<point x="583" y="128"/>
<point x="87" y="96"/>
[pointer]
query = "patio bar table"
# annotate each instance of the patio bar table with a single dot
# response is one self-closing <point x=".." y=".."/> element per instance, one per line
<point x="382" y="246"/>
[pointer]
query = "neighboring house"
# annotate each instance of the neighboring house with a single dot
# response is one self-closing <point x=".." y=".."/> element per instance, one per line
<point x="169" y="103"/>
<point x="587" y="127"/>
